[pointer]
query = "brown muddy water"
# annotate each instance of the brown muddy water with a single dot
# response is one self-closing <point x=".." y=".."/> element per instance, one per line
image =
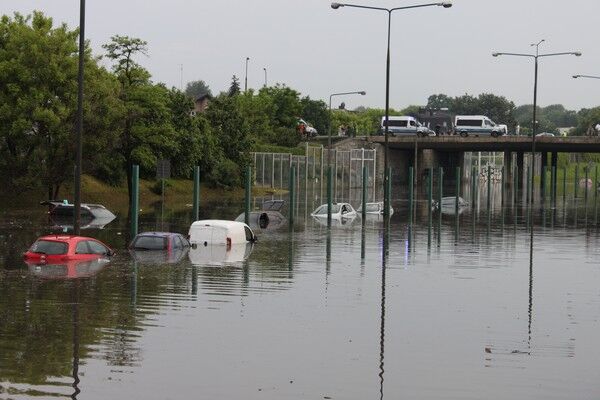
<point x="312" y="313"/>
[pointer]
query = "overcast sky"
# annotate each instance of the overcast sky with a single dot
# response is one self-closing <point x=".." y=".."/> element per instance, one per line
<point x="318" y="51"/>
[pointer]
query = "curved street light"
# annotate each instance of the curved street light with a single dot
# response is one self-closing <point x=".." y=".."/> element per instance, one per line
<point x="586" y="76"/>
<point x="362" y="93"/>
<point x="536" y="58"/>
<point x="335" y="6"/>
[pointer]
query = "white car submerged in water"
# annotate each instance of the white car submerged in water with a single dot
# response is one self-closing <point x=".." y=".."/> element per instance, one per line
<point x="338" y="211"/>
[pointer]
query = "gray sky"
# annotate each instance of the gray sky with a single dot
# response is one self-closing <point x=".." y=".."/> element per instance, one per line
<point x="312" y="48"/>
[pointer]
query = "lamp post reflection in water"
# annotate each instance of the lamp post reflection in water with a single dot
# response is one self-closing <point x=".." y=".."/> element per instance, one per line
<point x="75" y="305"/>
<point x="384" y="260"/>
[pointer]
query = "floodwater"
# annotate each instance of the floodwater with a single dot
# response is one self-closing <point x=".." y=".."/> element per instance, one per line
<point x="468" y="311"/>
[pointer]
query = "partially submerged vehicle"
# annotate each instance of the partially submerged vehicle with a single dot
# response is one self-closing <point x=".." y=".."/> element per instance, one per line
<point x="268" y="218"/>
<point x="338" y="211"/>
<point x="159" y="247"/>
<point x="66" y="209"/>
<point x="52" y="249"/>
<point x="220" y="232"/>
<point x="375" y="208"/>
<point x="158" y="241"/>
<point x="449" y="205"/>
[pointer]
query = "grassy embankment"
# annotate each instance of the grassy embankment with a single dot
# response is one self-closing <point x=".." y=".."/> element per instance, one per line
<point x="178" y="192"/>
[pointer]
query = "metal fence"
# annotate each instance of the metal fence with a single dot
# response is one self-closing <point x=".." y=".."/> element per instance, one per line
<point x="273" y="169"/>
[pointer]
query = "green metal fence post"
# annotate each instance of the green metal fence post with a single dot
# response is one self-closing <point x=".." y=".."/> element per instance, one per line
<point x="576" y="179"/>
<point x="248" y="194"/>
<point x="429" y="205"/>
<point x="410" y="195"/>
<point x="365" y="176"/>
<point x="292" y="190"/>
<point x="135" y="199"/>
<point x="329" y="193"/>
<point x="196" y="194"/>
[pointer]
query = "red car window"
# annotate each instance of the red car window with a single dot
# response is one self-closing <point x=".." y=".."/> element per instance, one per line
<point x="49" y="247"/>
<point x="97" y="248"/>
<point x="82" y="248"/>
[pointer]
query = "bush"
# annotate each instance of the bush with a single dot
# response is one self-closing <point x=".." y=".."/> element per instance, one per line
<point x="225" y="174"/>
<point x="157" y="187"/>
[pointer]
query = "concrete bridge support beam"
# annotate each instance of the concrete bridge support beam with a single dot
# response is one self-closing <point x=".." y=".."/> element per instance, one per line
<point x="520" y="169"/>
<point x="543" y="183"/>
<point x="508" y="168"/>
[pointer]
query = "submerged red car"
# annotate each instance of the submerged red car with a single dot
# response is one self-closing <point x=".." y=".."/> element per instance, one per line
<point x="56" y="248"/>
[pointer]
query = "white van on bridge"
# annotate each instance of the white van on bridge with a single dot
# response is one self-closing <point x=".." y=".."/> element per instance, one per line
<point x="405" y="126"/>
<point x="477" y="125"/>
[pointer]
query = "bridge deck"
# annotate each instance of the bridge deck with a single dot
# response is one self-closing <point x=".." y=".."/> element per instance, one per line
<point x="578" y="144"/>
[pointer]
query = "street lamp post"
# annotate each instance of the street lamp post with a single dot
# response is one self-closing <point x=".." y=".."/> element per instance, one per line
<point x="335" y="6"/>
<point x="586" y="76"/>
<point x="265" y="69"/>
<point x="79" y="127"/>
<point x="329" y="175"/>
<point x="246" y="78"/>
<point x="362" y="93"/>
<point x="536" y="58"/>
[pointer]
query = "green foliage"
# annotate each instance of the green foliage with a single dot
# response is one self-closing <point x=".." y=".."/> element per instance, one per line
<point x="587" y="119"/>
<point x="315" y="112"/>
<point x="196" y="89"/>
<point x="234" y="88"/>
<point x="157" y="187"/>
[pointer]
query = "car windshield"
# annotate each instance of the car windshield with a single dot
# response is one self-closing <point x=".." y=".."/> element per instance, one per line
<point x="372" y="207"/>
<point x="150" y="243"/>
<point x="323" y="209"/>
<point x="49" y="247"/>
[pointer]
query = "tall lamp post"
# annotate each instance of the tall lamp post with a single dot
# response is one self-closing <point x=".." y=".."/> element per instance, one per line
<point x="246" y="78"/>
<point x="335" y="6"/>
<point x="265" y="69"/>
<point x="536" y="58"/>
<point x="362" y="93"/>
<point x="79" y="126"/>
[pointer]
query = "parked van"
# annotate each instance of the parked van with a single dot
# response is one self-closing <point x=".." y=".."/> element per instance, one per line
<point x="405" y="126"/>
<point x="477" y="125"/>
<point x="220" y="232"/>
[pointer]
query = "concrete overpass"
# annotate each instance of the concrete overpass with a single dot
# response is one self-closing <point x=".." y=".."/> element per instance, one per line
<point x="448" y="151"/>
<point x="573" y="144"/>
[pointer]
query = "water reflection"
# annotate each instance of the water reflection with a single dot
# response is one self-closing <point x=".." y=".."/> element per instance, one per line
<point x="159" y="257"/>
<point x="68" y="269"/>
<point x="113" y="335"/>
<point x="217" y="255"/>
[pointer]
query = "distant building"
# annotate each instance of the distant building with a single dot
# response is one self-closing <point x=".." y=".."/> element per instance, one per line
<point x="200" y="104"/>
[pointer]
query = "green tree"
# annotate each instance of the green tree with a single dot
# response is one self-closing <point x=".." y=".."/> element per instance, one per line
<point x="38" y="69"/>
<point x="146" y="132"/>
<point x="437" y="101"/>
<point x="317" y="113"/>
<point x="196" y="89"/>
<point x="234" y="88"/>
<point x="233" y="135"/>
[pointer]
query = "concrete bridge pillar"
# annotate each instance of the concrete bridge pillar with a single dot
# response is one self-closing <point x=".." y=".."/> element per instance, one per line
<point x="520" y="172"/>
<point x="508" y="170"/>
<point x="543" y="182"/>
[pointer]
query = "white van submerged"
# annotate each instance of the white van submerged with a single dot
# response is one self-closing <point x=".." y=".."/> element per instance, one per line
<point x="477" y="125"/>
<point x="220" y="232"/>
<point x="405" y="126"/>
